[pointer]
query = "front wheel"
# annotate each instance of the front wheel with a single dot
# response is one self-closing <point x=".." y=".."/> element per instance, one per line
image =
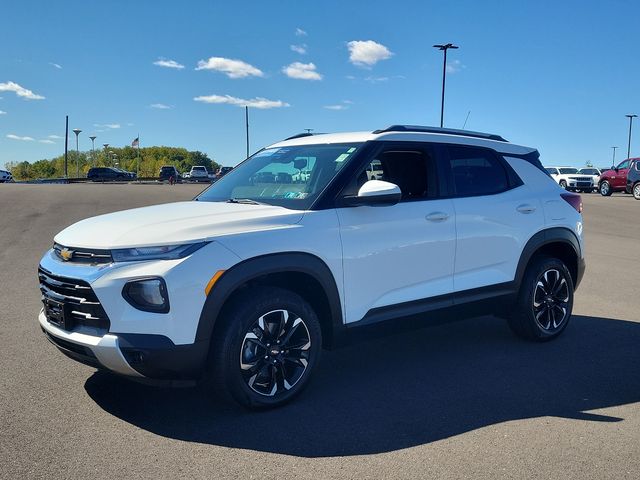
<point x="267" y="348"/>
<point x="545" y="300"/>
<point x="605" y="188"/>
<point x="636" y="191"/>
<point x="563" y="184"/>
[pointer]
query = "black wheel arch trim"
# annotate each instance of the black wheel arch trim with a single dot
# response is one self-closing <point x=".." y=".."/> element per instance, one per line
<point x="255" y="267"/>
<point x="547" y="237"/>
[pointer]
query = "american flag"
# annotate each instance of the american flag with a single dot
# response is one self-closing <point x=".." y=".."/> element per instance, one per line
<point x="136" y="142"/>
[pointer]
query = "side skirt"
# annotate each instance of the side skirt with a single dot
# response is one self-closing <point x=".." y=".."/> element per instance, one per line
<point x="382" y="321"/>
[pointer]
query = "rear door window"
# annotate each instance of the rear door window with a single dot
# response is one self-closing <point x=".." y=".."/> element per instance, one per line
<point x="476" y="171"/>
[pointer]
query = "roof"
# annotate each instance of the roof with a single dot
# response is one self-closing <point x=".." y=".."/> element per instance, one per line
<point x="405" y="136"/>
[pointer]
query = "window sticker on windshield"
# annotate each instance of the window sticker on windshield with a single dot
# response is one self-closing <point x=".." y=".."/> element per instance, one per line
<point x="342" y="157"/>
<point x="351" y="150"/>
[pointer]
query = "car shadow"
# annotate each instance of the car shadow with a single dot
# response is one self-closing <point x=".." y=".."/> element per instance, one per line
<point x="406" y="390"/>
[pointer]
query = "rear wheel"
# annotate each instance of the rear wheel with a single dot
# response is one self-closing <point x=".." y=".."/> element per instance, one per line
<point x="605" y="188"/>
<point x="264" y="354"/>
<point x="636" y="191"/>
<point x="545" y="300"/>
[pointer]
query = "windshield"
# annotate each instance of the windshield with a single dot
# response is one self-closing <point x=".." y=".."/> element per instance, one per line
<point x="290" y="177"/>
<point x="589" y="171"/>
<point x="568" y="170"/>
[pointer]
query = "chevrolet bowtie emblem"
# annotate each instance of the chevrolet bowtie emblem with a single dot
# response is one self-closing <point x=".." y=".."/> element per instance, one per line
<point x="66" y="254"/>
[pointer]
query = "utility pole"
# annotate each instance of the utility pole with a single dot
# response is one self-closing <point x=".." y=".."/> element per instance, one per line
<point x="93" y="150"/>
<point x="246" y="119"/>
<point x="77" y="132"/>
<point x="613" y="162"/>
<point x="66" y="145"/>
<point x="630" y="116"/>
<point x="444" y="48"/>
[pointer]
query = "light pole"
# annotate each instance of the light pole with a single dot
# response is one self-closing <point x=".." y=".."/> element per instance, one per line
<point x="105" y="145"/>
<point x="77" y="132"/>
<point x="630" y="116"/>
<point x="93" y="150"/>
<point x="613" y="162"/>
<point x="444" y="48"/>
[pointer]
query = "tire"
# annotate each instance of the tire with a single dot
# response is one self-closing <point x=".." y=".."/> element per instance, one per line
<point x="250" y="349"/>
<point x="536" y="315"/>
<point x="636" y="191"/>
<point x="605" y="188"/>
<point x="563" y="184"/>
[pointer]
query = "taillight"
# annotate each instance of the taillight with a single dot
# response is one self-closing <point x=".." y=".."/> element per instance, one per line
<point x="574" y="200"/>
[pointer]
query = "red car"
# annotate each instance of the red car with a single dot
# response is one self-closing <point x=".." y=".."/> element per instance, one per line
<point x="615" y="179"/>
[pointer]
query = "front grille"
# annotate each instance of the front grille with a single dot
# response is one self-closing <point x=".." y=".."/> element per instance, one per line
<point x="582" y="179"/>
<point x="82" y="255"/>
<point x="70" y="303"/>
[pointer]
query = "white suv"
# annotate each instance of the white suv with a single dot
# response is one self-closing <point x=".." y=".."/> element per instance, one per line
<point x="570" y="179"/>
<point x="245" y="285"/>
<point x="199" y="172"/>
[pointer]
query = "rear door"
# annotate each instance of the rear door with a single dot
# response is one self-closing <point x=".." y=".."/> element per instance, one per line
<point x="496" y="214"/>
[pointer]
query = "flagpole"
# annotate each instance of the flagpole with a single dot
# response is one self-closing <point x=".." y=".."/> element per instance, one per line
<point x="138" y="167"/>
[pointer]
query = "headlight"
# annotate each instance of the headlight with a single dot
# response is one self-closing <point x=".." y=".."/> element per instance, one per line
<point x="167" y="252"/>
<point x="147" y="294"/>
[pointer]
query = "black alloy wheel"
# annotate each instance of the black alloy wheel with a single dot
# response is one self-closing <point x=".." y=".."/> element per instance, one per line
<point x="551" y="300"/>
<point x="275" y="352"/>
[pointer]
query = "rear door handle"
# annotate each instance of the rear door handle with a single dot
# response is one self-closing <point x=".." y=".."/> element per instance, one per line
<point x="526" y="208"/>
<point x="437" y="217"/>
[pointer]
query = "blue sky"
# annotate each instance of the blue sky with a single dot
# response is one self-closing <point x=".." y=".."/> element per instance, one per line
<point x="557" y="75"/>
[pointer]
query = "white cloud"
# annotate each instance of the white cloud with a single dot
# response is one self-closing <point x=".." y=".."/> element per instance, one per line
<point x="56" y="65"/>
<point x="257" y="102"/>
<point x="455" y="66"/>
<point x="344" y="105"/>
<point x="17" y="137"/>
<point x="230" y="67"/>
<point x="112" y="126"/>
<point x="300" y="33"/>
<point x="366" y="53"/>
<point x="162" y="62"/>
<point x="20" y="91"/>
<point x="374" y="79"/>
<point x="160" y="106"/>
<point x="55" y="137"/>
<point x="301" y="49"/>
<point x="46" y="140"/>
<point x="302" y="71"/>
<point x="129" y="124"/>
<point x="2" y="112"/>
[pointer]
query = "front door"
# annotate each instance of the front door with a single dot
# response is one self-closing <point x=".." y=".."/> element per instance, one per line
<point x="398" y="253"/>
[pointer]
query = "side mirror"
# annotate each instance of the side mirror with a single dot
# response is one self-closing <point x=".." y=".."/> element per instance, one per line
<point x="375" y="192"/>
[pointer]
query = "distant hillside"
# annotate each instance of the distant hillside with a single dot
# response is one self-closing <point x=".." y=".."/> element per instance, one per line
<point x="151" y="159"/>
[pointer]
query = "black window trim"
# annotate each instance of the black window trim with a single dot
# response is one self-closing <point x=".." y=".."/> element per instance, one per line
<point x="375" y="147"/>
<point x="513" y="180"/>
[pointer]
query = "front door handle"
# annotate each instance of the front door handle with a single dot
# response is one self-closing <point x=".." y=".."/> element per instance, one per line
<point x="437" y="217"/>
<point x="526" y="208"/>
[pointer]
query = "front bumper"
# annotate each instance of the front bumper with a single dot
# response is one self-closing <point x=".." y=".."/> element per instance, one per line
<point x="133" y="355"/>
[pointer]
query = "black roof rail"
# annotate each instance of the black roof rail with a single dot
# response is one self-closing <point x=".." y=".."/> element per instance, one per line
<point x="446" y="131"/>
<point x="299" y="135"/>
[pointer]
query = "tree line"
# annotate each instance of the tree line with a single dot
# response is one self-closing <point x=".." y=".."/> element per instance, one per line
<point x="126" y="158"/>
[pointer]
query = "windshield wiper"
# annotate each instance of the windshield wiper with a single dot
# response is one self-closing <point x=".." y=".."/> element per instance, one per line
<point x="246" y="201"/>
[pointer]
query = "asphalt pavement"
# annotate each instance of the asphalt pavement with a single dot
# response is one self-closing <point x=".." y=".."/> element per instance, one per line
<point x="464" y="400"/>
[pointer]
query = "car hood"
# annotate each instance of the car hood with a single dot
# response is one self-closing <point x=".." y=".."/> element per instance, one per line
<point x="174" y="223"/>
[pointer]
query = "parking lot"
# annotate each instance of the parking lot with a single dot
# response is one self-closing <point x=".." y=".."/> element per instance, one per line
<point x="464" y="400"/>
